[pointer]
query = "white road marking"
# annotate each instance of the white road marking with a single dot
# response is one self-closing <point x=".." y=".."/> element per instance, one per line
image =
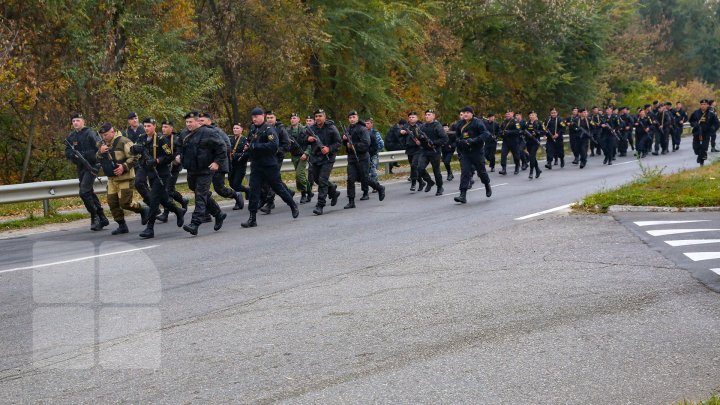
<point x="700" y="256"/>
<point x="690" y="242"/>
<point x="537" y="214"/>
<point x="716" y="271"/>
<point x="652" y="223"/>
<point x="37" y="266"/>
<point x="624" y="163"/>
<point x="663" y="232"/>
<point x="476" y="189"/>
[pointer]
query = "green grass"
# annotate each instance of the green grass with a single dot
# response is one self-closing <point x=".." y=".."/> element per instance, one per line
<point x="714" y="400"/>
<point x="699" y="187"/>
<point x="33" y="221"/>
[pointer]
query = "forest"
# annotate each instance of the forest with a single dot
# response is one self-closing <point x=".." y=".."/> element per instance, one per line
<point x="162" y="58"/>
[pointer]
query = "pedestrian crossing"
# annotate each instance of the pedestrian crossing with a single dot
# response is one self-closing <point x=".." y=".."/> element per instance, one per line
<point x="697" y="240"/>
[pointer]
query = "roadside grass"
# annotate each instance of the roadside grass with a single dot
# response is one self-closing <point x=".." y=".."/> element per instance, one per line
<point x="714" y="400"/>
<point x="698" y="187"/>
<point x="33" y="221"/>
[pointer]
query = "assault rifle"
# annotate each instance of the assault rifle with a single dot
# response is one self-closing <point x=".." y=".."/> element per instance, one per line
<point x="146" y="160"/>
<point x="92" y="169"/>
<point x="349" y="141"/>
<point x="317" y="145"/>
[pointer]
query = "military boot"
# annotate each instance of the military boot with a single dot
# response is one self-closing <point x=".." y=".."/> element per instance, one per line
<point x="295" y="210"/>
<point x="488" y="190"/>
<point x="251" y="222"/>
<point x="163" y="218"/>
<point x="144" y="215"/>
<point x="95" y="224"/>
<point x="149" y="232"/>
<point x="239" y="203"/>
<point x="318" y="210"/>
<point x="192" y="228"/>
<point x="180" y="216"/>
<point x="462" y="197"/>
<point x="365" y="197"/>
<point x="303" y="197"/>
<point x="412" y="186"/>
<point x="381" y="193"/>
<point x="122" y="228"/>
<point x="350" y="204"/>
<point x="219" y="218"/>
<point x="103" y="219"/>
<point x="517" y="169"/>
<point x="334" y="198"/>
<point x="503" y="171"/>
<point x="185" y="202"/>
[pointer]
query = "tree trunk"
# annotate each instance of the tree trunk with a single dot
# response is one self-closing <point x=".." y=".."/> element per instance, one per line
<point x="28" y="149"/>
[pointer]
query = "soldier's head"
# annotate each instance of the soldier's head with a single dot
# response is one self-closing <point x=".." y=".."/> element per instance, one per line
<point x="518" y="116"/>
<point x="77" y="121"/>
<point x="608" y="110"/>
<point x="133" y="120"/>
<point x="595" y="110"/>
<point x="491" y="117"/>
<point x="150" y="125"/>
<point x="167" y="127"/>
<point x="237" y="129"/>
<point x="642" y="113"/>
<point x="320" y="117"/>
<point x="429" y="115"/>
<point x="412" y="118"/>
<point x="369" y="123"/>
<point x="553" y="113"/>
<point x="509" y="114"/>
<point x="294" y="119"/>
<point x="704" y="104"/>
<point x="467" y="113"/>
<point x="647" y="107"/>
<point x="532" y="116"/>
<point x="191" y="120"/>
<point x="583" y="112"/>
<point x="270" y="117"/>
<point x="446" y="127"/>
<point x="107" y="132"/>
<point x="258" y="116"/>
<point x="575" y="111"/>
<point x="353" y="117"/>
<point x="205" y="118"/>
<point x="309" y="121"/>
<point x="679" y="105"/>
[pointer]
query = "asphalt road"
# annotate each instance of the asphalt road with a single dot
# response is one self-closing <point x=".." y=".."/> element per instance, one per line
<point x="413" y="299"/>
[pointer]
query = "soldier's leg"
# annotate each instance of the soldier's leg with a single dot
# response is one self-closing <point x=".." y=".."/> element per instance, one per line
<point x="141" y="184"/>
<point x="437" y="172"/>
<point x="272" y="178"/>
<point x="323" y="183"/>
<point x="583" y="150"/>
<point x="712" y="141"/>
<point x="113" y="199"/>
<point x="447" y="160"/>
<point x="218" y="182"/>
<point x="422" y="163"/>
<point x="503" y="154"/>
<point x="87" y="194"/>
<point x="352" y="177"/>
<point x="466" y="171"/>
<point x="256" y="183"/>
<point x="478" y="163"/>
<point x="363" y="166"/>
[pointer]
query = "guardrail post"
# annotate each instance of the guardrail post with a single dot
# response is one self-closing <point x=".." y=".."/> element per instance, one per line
<point x="387" y="168"/>
<point x="46" y="207"/>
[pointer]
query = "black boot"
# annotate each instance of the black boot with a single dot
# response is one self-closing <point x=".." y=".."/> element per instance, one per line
<point x="122" y="228"/>
<point x="548" y="166"/>
<point x="144" y="215"/>
<point x="488" y="190"/>
<point x="265" y="209"/>
<point x="517" y="170"/>
<point x="251" y="222"/>
<point x="219" y="218"/>
<point x="350" y="204"/>
<point x="149" y="232"/>
<point x="185" y="203"/>
<point x="162" y="218"/>
<point x="562" y="162"/>
<point x="180" y="216"/>
<point x="365" y="197"/>
<point x="429" y="186"/>
<point x="239" y="203"/>
<point x="381" y="193"/>
<point x="421" y="184"/>
<point x="310" y="196"/>
<point x="412" y="186"/>
<point x="503" y="171"/>
<point x="207" y="218"/>
<point x="295" y="210"/>
<point x="439" y="191"/>
<point x="95" y="224"/>
<point x="192" y="228"/>
<point x="450" y="177"/>
<point x="302" y="198"/>
<point x="461" y="198"/>
<point x="334" y="198"/>
<point x="103" y="219"/>
<point x="318" y="210"/>
<point x="537" y="173"/>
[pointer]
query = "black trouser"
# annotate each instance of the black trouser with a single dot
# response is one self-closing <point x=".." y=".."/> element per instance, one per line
<point x="218" y="182"/>
<point x="416" y="170"/>
<point x="661" y="139"/>
<point x="270" y="175"/>
<point x="575" y="145"/>
<point x="524" y="157"/>
<point x="141" y="184"/>
<point x="712" y="140"/>
<point x="204" y="203"/>
<point x="447" y="155"/>
<point x="471" y="161"/>
<point x="172" y="182"/>
<point x="434" y="159"/>
<point x="319" y="173"/>
<point x="557" y="146"/>
<point x="583" y="144"/>
<point x="623" y="143"/>
<point x="595" y="145"/>
<point x="238" y="170"/>
<point x="700" y="146"/>
<point x="359" y="171"/>
<point x="549" y="151"/>
<point x="413" y="168"/>
<point x="632" y="140"/>
<point x="532" y="149"/>
<point x="676" y="135"/>
<point x="643" y="142"/>
<point x="490" y="149"/>
<point x="87" y="193"/>
<point x="607" y="141"/>
<point x="512" y="145"/>
<point x="159" y="195"/>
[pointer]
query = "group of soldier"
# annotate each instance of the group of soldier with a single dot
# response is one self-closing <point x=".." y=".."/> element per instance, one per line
<point x="149" y="161"/>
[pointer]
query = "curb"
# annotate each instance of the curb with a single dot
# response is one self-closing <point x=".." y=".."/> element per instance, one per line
<point x="633" y="208"/>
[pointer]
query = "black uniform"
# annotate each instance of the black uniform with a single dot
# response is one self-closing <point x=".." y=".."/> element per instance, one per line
<point x="704" y="125"/>
<point x="491" y="142"/>
<point x="664" y="128"/>
<point x="218" y="179"/>
<point x="413" y="151"/>
<point x="534" y="131"/>
<point x="585" y="128"/>
<point x="625" y="133"/>
<point x="284" y="146"/>
<point x="555" y="148"/>
<point x="238" y="165"/>
<point x="574" y="136"/>
<point x="595" y="146"/>
<point x="175" y="169"/>
<point x="432" y="141"/>
<point x="141" y="182"/>
<point x="86" y="142"/>
<point x="470" y="142"/>
<point x="200" y="148"/>
<point x="609" y="125"/>
<point x="643" y="135"/>
<point x="359" y="161"/>
<point x="448" y="150"/>
<point x="321" y="165"/>
<point x="158" y="173"/>
<point x="680" y="117"/>
<point x="263" y="149"/>
<point x="511" y="131"/>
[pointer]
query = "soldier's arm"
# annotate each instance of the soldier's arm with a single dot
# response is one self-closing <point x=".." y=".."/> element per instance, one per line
<point x="131" y="160"/>
<point x="442" y="136"/>
<point x="335" y="140"/>
<point x="165" y="156"/>
<point x="89" y="154"/>
<point x="364" y="144"/>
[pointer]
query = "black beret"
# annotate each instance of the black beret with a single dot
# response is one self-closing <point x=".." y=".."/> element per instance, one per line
<point x="205" y="114"/>
<point x="167" y="122"/>
<point x="269" y="112"/>
<point x="192" y="114"/>
<point x="319" y="111"/>
<point x="402" y="121"/>
<point x="576" y="108"/>
<point x="509" y="110"/>
<point x="76" y="115"/>
<point x="704" y="101"/>
<point x="369" y="119"/>
<point x="582" y="110"/>
<point x="132" y="114"/>
<point x="668" y="103"/>
<point x="149" y="120"/>
<point x="553" y="109"/>
<point x="655" y="102"/>
<point x="257" y="111"/>
<point x="430" y="111"/>
<point x="351" y="113"/>
<point x="309" y="117"/>
<point x="532" y="112"/>
<point x="467" y="108"/>
<point x="711" y="101"/>
<point x="412" y="113"/>
<point x="594" y="107"/>
<point x="105" y="127"/>
<point x="646" y="106"/>
<point x="294" y="115"/>
<point x="491" y="114"/>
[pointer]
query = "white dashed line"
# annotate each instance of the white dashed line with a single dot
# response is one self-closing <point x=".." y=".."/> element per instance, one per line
<point x="37" y="266"/>
<point x="690" y="242"/>
<point x="663" y="232"/>
<point x="476" y="189"/>
<point x="537" y="214"/>
<point x="652" y="223"/>
<point x="700" y="256"/>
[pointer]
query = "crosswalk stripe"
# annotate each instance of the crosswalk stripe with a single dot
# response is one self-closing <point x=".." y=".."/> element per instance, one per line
<point x="700" y="256"/>
<point x="716" y="271"/>
<point x="663" y="232"/>
<point x="689" y="242"/>
<point x="652" y="223"/>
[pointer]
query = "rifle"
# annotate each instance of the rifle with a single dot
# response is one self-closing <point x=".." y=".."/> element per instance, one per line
<point x="145" y="160"/>
<point x="108" y="165"/>
<point x="420" y="136"/>
<point x="349" y="141"/>
<point x="92" y="169"/>
<point x="317" y="145"/>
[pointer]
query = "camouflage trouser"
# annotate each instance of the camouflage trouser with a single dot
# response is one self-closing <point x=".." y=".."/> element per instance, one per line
<point x="301" y="179"/>
<point x="374" y="161"/>
<point x="120" y="198"/>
